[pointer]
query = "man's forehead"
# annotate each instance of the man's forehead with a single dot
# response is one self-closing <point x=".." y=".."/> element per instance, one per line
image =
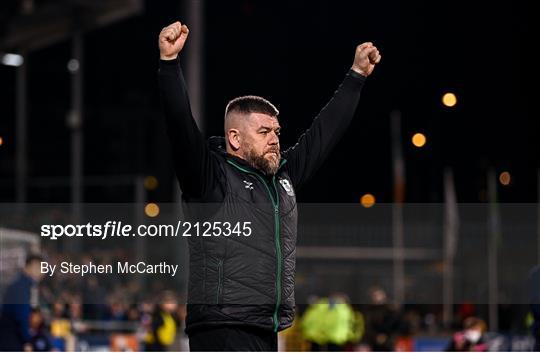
<point x="261" y="119"/>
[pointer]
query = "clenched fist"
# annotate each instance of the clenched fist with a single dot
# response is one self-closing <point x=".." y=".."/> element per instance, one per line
<point x="171" y="40"/>
<point x="365" y="58"/>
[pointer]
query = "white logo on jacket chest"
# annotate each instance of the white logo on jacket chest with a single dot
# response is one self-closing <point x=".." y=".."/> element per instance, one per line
<point x="287" y="186"/>
<point x="248" y="185"/>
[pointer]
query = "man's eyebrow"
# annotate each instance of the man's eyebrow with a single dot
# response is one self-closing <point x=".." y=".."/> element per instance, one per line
<point x="265" y="128"/>
<point x="269" y="128"/>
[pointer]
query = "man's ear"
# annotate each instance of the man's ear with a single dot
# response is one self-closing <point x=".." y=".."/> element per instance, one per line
<point x="234" y="139"/>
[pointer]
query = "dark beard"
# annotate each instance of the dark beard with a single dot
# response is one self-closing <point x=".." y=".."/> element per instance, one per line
<point x="261" y="163"/>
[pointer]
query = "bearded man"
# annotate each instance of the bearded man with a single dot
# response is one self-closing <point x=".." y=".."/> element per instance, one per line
<point x="241" y="290"/>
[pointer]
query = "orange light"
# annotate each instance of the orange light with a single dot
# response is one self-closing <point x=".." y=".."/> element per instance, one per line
<point x="505" y="178"/>
<point x="419" y="140"/>
<point x="1" y="141"/>
<point x="151" y="209"/>
<point x="367" y="200"/>
<point x="150" y="182"/>
<point x="449" y="99"/>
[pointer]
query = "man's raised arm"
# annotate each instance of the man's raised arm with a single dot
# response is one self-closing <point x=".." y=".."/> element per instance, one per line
<point x="307" y="155"/>
<point x="191" y="156"/>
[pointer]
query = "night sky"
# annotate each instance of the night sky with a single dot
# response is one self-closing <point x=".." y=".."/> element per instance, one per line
<point x="295" y="53"/>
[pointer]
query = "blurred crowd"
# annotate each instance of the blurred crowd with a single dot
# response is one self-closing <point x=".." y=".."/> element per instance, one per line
<point x="63" y="312"/>
<point x="67" y="315"/>
<point x="333" y="324"/>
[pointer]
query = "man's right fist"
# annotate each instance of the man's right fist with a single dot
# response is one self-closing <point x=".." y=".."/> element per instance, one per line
<point x="171" y="40"/>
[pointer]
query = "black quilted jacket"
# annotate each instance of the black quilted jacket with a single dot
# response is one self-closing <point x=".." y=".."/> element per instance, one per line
<point x="245" y="280"/>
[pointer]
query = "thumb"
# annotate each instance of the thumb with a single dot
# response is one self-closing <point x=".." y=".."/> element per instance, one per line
<point x="373" y="54"/>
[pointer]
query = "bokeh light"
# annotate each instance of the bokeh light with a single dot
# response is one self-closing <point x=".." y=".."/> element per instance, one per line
<point x="367" y="200"/>
<point x="449" y="99"/>
<point x="151" y="209"/>
<point x="150" y="182"/>
<point x="419" y="140"/>
<point x="505" y="178"/>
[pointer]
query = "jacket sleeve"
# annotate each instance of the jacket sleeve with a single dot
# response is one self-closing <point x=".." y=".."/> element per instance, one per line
<point x="315" y="144"/>
<point x="17" y="306"/>
<point x="192" y="160"/>
<point x="22" y="316"/>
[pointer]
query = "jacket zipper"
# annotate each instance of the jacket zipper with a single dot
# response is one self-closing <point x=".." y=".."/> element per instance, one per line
<point x="220" y="284"/>
<point x="279" y="255"/>
<point x="277" y="240"/>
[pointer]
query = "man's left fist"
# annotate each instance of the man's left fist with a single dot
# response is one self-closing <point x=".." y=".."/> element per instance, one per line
<point x="366" y="57"/>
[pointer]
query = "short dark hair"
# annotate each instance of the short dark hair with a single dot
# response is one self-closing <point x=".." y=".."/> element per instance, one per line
<point x="33" y="258"/>
<point x="251" y="104"/>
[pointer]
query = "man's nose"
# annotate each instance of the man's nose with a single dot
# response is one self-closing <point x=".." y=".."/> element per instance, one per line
<point x="274" y="139"/>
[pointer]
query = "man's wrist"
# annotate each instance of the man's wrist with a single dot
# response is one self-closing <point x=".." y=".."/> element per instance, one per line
<point x="169" y="62"/>
<point x="358" y="71"/>
<point x="354" y="73"/>
<point x="168" y="57"/>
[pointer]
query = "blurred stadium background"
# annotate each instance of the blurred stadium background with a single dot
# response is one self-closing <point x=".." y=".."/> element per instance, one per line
<point x="445" y="148"/>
